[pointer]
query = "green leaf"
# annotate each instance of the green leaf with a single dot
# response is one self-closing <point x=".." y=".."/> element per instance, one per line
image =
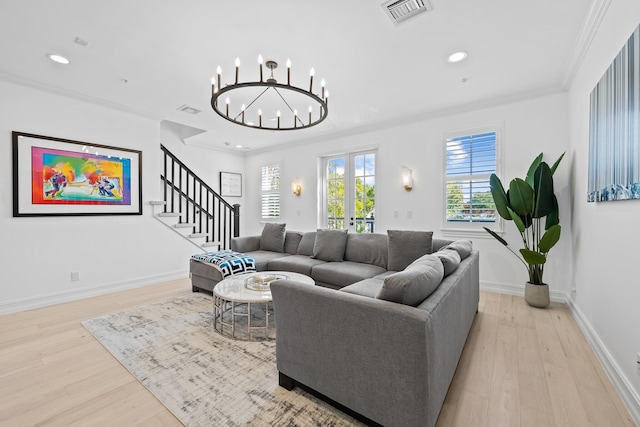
<point x="543" y="188"/>
<point x="532" y="169"/>
<point x="533" y="257"/>
<point x="555" y="165"/>
<point x="498" y="238"/>
<point x="549" y="239"/>
<point x="499" y="196"/>
<point x="521" y="197"/>
<point x="553" y="217"/>
<point x="518" y="221"/>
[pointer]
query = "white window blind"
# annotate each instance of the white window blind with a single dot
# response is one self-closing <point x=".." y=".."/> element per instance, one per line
<point x="270" y="194"/>
<point x="470" y="161"/>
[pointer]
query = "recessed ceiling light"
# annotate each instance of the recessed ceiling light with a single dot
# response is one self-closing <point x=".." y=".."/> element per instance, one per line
<point x="238" y="146"/>
<point x="457" y="56"/>
<point x="58" y="58"/>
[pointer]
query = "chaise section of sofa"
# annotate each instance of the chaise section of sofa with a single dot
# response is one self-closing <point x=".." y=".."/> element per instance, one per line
<point x="391" y="363"/>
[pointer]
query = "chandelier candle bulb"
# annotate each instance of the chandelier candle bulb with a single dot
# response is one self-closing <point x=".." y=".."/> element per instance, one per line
<point x="259" y="118"/>
<point x="227" y="101"/>
<point x="243" y="108"/>
<point x="288" y="71"/>
<point x="278" y="119"/>
<point x="219" y="71"/>
<point x="323" y="84"/>
<point x="311" y="73"/>
<point x="237" y="68"/>
<point x="213" y="85"/>
<point x="260" y="62"/>
<point x="310" y="111"/>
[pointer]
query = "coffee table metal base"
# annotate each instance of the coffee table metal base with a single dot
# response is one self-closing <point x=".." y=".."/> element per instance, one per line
<point x="234" y="319"/>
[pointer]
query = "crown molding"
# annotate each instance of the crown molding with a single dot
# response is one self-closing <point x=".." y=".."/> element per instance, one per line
<point x="588" y="31"/>
<point x="47" y="87"/>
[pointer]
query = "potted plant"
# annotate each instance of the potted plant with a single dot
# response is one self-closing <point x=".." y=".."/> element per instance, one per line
<point x="532" y="205"/>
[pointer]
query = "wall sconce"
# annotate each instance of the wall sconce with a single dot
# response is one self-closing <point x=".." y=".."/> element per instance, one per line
<point x="297" y="189"/>
<point x="407" y="179"/>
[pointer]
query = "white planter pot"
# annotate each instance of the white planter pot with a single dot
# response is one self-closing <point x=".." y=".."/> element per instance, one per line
<point x="537" y="295"/>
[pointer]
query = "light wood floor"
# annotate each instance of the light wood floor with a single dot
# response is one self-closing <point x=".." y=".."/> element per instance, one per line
<point x="521" y="367"/>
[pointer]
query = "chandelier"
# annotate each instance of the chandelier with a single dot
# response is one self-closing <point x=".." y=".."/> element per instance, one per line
<point x="268" y="104"/>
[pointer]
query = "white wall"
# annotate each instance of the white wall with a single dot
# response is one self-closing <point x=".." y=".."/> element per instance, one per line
<point x="606" y="235"/>
<point x="529" y="127"/>
<point x="110" y="252"/>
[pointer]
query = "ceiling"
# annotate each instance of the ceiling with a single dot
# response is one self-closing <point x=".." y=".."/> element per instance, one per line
<point x="152" y="56"/>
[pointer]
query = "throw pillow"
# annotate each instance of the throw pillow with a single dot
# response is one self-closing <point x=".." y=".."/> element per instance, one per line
<point x="407" y="246"/>
<point x="272" y="238"/>
<point x="463" y="247"/>
<point x="329" y="245"/>
<point x="450" y="259"/>
<point x="415" y="283"/>
<point x="305" y="247"/>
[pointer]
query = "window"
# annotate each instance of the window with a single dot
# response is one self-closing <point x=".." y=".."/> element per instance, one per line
<point x="349" y="192"/>
<point x="270" y="195"/>
<point x="470" y="161"/>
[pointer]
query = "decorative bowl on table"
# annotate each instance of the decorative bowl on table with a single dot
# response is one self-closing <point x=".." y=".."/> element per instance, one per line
<point x="262" y="281"/>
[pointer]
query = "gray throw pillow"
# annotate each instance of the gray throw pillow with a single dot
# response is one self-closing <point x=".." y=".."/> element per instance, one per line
<point x="415" y="283"/>
<point x="463" y="247"/>
<point x="407" y="246"/>
<point x="330" y="245"/>
<point x="305" y="247"/>
<point x="272" y="238"/>
<point x="450" y="259"/>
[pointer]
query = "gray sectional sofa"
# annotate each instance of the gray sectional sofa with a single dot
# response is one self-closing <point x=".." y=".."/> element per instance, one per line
<point x="382" y="334"/>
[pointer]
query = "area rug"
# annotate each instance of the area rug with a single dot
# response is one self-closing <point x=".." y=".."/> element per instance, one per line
<point x="203" y="378"/>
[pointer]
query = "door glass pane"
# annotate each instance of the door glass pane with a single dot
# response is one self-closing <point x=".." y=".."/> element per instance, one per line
<point x="364" y="197"/>
<point x="335" y="193"/>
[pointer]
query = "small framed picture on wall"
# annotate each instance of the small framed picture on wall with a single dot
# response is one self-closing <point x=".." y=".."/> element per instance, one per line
<point x="230" y="184"/>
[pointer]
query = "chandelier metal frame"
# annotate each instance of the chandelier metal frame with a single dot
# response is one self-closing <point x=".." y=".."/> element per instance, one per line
<point x="270" y="84"/>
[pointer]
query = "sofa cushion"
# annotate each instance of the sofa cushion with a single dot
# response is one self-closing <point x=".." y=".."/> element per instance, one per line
<point x="367" y="248"/>
<point x="305" y="247"/>
<point x="292" y="241"/>
<point x="263" y="258"/>
<point x="450" y="259"/>
<point x="330" y="245"/>
<point x="344" y="273"/>
<point x="297" y="263"/>
<point x="463" y="247"/>
<point x="415" y="283"/>
<point x="406" y="247"/>
<point x="366" y="288"/>
<point x="272" y="238"/>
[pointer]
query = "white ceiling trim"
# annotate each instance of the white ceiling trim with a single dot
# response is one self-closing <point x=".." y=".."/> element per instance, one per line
<point x="46" y="87"/>
<point x="588" y="31"/>
<point x="413" y="118"/>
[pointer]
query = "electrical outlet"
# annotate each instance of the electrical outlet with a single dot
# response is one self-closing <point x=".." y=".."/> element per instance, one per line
<point x="75" y="276"/>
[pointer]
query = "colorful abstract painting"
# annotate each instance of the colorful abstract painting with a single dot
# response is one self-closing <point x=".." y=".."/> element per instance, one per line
<point x="80" y="178"/>
<point x="56" y="177"/>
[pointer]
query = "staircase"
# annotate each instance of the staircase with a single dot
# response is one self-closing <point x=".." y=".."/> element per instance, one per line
<point x="193" y="209"/>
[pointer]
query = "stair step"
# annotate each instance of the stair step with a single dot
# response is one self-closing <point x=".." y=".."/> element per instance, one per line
<point x="169" y="214"/>
<point x="184" y="225"/>
<point x="207" y="244"/>
<point x="157" y="203"/>
<point x="194" y="235"/>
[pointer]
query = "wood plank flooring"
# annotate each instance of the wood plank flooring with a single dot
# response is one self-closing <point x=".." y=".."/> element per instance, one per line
<point x="521" y="367"/>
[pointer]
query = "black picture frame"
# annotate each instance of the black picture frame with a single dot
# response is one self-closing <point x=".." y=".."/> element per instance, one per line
<point x="62" y="177"/>
<point x="230" y="184"/>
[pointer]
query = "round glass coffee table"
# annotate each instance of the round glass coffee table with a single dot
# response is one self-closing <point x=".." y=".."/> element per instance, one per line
<point x="242" y="304"/>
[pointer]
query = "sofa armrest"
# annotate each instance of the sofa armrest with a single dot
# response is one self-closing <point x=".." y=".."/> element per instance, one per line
<point x="361" y="352"/>
<point x="245" y="244"/>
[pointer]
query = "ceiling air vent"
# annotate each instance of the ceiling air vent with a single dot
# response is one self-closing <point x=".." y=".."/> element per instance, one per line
<point x="186" y="109"/>
<point x="401" y="10"/>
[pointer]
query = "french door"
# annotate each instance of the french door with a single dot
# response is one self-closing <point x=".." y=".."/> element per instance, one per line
<point x="349" y="192"/>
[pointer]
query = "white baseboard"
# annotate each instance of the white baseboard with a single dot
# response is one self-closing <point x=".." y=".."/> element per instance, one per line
<point x="518" y="290"/>
<point x="626" y="392"/>
<point x="38" y="301"/>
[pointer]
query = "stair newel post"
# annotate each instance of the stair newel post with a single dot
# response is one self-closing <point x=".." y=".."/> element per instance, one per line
<point x="207" y="218"/>
<point x="236" y="220"/>
<point x="165" y="181"/>
<point x="193" y="197"/>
